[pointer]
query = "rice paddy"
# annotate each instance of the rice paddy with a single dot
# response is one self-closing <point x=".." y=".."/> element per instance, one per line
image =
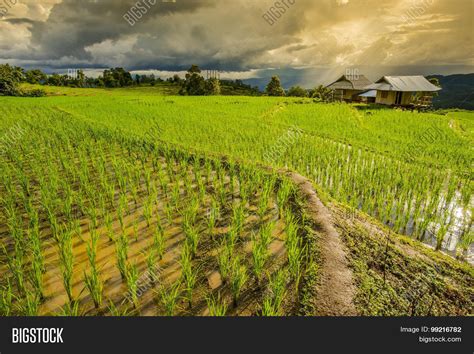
<point x="141" y="204"/>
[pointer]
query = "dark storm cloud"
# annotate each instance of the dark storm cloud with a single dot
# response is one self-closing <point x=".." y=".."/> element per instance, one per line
<point x="74" y="25"/>
<point x="233" y="35"/>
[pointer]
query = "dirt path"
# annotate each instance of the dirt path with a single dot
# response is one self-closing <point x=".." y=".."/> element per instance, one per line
<point x="336" y="290"/>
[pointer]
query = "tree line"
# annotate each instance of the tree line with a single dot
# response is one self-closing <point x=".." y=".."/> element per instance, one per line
<point x="193" y="84"/>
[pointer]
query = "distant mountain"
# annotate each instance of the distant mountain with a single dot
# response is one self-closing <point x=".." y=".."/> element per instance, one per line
<point x="458" y="91"/>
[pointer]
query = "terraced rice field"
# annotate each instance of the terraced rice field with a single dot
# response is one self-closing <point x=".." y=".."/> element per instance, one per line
<point x="132" y="203"/>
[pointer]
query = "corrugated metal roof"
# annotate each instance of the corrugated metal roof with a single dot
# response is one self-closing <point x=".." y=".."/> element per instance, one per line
<point x="380" y="87"/>
<point x="404" y="84"/>
<point x="341" y="85"/>
<point x="350" y="82"/>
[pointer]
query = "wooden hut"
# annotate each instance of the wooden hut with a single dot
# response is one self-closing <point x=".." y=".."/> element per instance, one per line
<point x="404" y="90"/>
<point x="348" y="87"/>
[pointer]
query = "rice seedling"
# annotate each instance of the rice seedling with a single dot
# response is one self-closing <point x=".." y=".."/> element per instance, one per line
<point x="284" y="192"/>
<point x="224" y="260"/>
<point x="268" y="308"/>
<point x="148" y="211"/>
<point x="135" y="230"/>
<point x="67" y="262"/>
<point x="213" y="216"/>
<point x="188" y="274"/>
<point x="95" y="286"/>
<point x="238" y="279"/>
<point x="266" y="234"/>
<point x="175" y="196"/>
<point x="159" y="242"/>
<point x="121" y="249"/>
<point x="217" y="307"/>
<point x="170" y="297"/>
<point x="259" y="256"/>
<point x="29" y="305"/>
<point x="15" y="264"/>
<point x="116" y="311"/>
<point x="132" y="283"/>
<point x="277" y="288"/>
<point x="295" y="259"/>
<point x="71" y="309"/>
<point x="109" y="226"/>
<point x="6" y="299"/>
<point x="238" y="219"/>
<point x="92" y="279"/>
<point x="37" y="262"/>
<point x="192" y="239"/>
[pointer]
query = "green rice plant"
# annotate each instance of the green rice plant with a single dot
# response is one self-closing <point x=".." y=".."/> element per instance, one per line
<point x="120" y="216"/>
<point x="15" y="263"/>
<point x="466" y="242"/>
<point x="159" y="241"/>
<point x="135" y="230"/>
<point x="295" y="259"/>
<point x="152" y="265"/>
<point x="222" y="193"/>
<point x="238" y="279"/>
<point x="170" y="297"/>
<point x="132" y="283"/>
<point x="148" y="180"/>
<point x="266" y="234"/>
<point x="238" y="219"/>
<point x="217" y="307"/>
<point x="277" y="287"/>
<point x="93" y="282"/>
<point x="148" y="211"/>
<point x="188" y="275"/>
<point x="6" y="299"/>
<point x="192" y="239"/>
<point x="284" y="192"/>
<point x="95" y="286"/>
<point x="121" y="249"/>
<point x="224" y="260"/>
<point x="109" y="226"/>
<point x="116" y="312"/>
<point x="134" y="192"/>
<point x="268" y="308"/>
<point x="37" y="263"/>
<point x="71" y="309"/>
<point x="176" y="196"/>
<point x="213" y="216"/>
<point x="29" y="305"/>
<point x="263" y="204"/>
<point x="169" y="212"/>
<point x="259" y="256"/>
<point x="66" y="257"/>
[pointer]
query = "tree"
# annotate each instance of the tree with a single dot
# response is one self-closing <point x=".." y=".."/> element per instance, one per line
<point x="9" y="80"/>
<point x="435" y="81"/>
<point x="297" y="91"/>
<point x="323" y="94"/>
<point x="194" y="84"/>
<point x="213" y="87"/>
<point x="274" y="87"/>
<point x="35" y="76"/>
<point x="177" y="79"/>
<point x="117" y="77"/>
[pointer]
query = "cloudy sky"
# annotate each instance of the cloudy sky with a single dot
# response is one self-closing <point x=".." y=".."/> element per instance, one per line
<point x="314" y="41"/>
